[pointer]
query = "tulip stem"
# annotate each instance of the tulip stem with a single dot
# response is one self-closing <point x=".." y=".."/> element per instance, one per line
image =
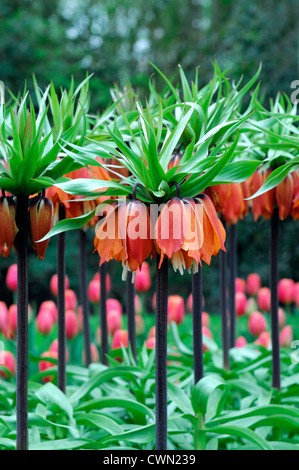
<point x="22" y="322"/>
<point x="161" y="353"/>
<point x="274" y="299"/>
<point x="197" y="324"/>
<point x="224" y="313"/>
<point x="61" y="306"/>
<point x="84" y="297"/>
<point x="130" y="295"/>
<point x="232" y="290"/>
<point x="103" y="315"/>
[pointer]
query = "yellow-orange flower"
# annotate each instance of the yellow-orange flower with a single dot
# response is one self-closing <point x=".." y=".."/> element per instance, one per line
<point x="284" y="194"/>
<point x="41" y="221"/>
<point x="262" y="205"/>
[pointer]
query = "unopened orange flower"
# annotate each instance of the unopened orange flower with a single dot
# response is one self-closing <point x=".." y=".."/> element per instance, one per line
<point x="284" y="196"/>
<point x="234" y="207"/>
<point x="262" y="205"/>
<point x="41" y="221"/>
<point x="124" y="234"/>
<point x="295" y="204"/>
<point x="8" y="227"/>
<point x="218" y="194"/>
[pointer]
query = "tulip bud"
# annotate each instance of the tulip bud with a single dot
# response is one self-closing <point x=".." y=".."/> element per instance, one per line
<point x="286" y="289"/>
<point x="3" y="316"/>
<point x="286" y="336"/>
<point x="114" y="321"/>
<point x="71" y="324"/>
<point x="51" y="307"/>
<point x="176" y="309"/>
<point x="54" y="348"/>
<point x="140" y="325"/>
<point x="264" y="299"/>
<point x="253" y="284"/>
<point x="7" y="360"/>
<point x="206" y="332"/>
<point x="240" y="285"/>
<point x="12" y="277"/>
<point x="240" y="342"/>
<point x="8" y="227"/>
<point x="44" y="322"/>
<point x="257" y="323"/>
<point x="152" y="332"/>
<point x="70" y="300"/>
<point x="113" y="304"/>
<point x="54" y="284"/>
<point x="44" y="365"/>
<point x="12" y="317"/>
<point x="41" y="220"/>
<point x="94" y="291"/>
<point x="120" y="338"/>
<point x="150" y="343"/>
<point x="264" y="339"/>
<point x="143" y="278"/>
<point x="241" y="302"/>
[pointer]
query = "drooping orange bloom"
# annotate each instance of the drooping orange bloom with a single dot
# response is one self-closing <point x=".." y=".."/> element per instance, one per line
<point x="262" y="205"/>
<point x="295" y="203"/>
<point x="234" y="206"/>
<point x="188" y="231"/>
<point x="218" y="195"/>
<point x="41" y="221"/>
<point x="8" y="227"/>
<point x="124" y="234"/>
<point x="284" y="194"/>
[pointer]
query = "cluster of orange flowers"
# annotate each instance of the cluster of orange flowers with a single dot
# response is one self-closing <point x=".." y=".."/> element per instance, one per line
<point x="186" y="231"/>
<point x="231" y="199"/>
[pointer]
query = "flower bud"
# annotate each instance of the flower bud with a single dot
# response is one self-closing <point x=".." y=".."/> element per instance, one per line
<point x="41" y="220"/>
<point x="8" y="227"/>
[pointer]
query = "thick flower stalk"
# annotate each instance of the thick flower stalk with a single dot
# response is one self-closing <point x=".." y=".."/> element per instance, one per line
<point x="8" y="226"/>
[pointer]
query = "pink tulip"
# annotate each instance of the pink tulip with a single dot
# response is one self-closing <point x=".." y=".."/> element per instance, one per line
<point x="150" y="343"/>
<point x="189" y="304"/>
<point x="120" y="338"/>
<point x="138" y="305"/>
<point x="108" y="281"/>
<point x="240" y="285"/>
<point x="206" y="332"/>
<point x="3" y="316"/>
<point x="264" y="299"/>
<point x="44" y="365"/>
<point x="94" y="289"/>
<point x="257" y="323"/>
<point x="240" y="342"/>
<point x="12" y="277"/>
<point x="44" y="322"/>
<point x="264" y="339"/>
<point x="54" y="284"/>
<point x="114" y="321"/>
<point x="51" y="307"/>
<point x="205" y="318"/>
<point x="176" y="309"/>
<point x="152" y="332"/>
<point x="251" y="305"/>
<point x="71" y="324"/>
<point x="113" y="304"/>
<point x="286" y="336"/>
<point x="286" y="289"/>
<point x="143" y="278"/>
<point x="7" y="360"/>
<point x="70" y="300"/>
<point x="140" y="325"/>
<point x="95" y="357"/>
<point x="281" y="317"/>
<point x="12" y="317"/>
<point x="241" y="302"/>
<point x="54" y="347"/>
<point x="9" y="333"/>
<point x="253" y="284"/>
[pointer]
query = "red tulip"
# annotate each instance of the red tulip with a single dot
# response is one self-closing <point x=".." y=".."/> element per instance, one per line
<point x="3" y="316"/>
<point x="241" y="303"/>
<point x="264" y="339"/>
<point x="176" y="309"/>
<point x="240" y="342"/>
<point x="113" y="304"/>
<point x="70" y="300"/>
<point x="120" y="338"/>
<point x="54" y="284"/>
<point x="8" y="227"/>
<point x="286" y="336"/>
<point x="44" y="365"/>
<point x="12" y="277"/>
<point x="240" y="285"/>
<point x="7" y="360"/>
<point x="44" y="322"/>
<point x="253" y="284"/>
<point x="257" y="323"/>
<point x="71" y="324"/>
<point x="286" y="289"/>
<point x="143" y="278"/>
<point x="114" y="321"/>
<point x="150" y="343"/>
<point x="264" y="299"/>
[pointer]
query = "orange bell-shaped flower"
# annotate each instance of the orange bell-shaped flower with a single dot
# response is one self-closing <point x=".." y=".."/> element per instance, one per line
<point x="284" y="196"/>
<point x="234" y="206"/>
<point x="295" y="203"/>
<point x="8" y="227"/>
<point x="41" y="221"/>
<point x="262" y="205"/>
